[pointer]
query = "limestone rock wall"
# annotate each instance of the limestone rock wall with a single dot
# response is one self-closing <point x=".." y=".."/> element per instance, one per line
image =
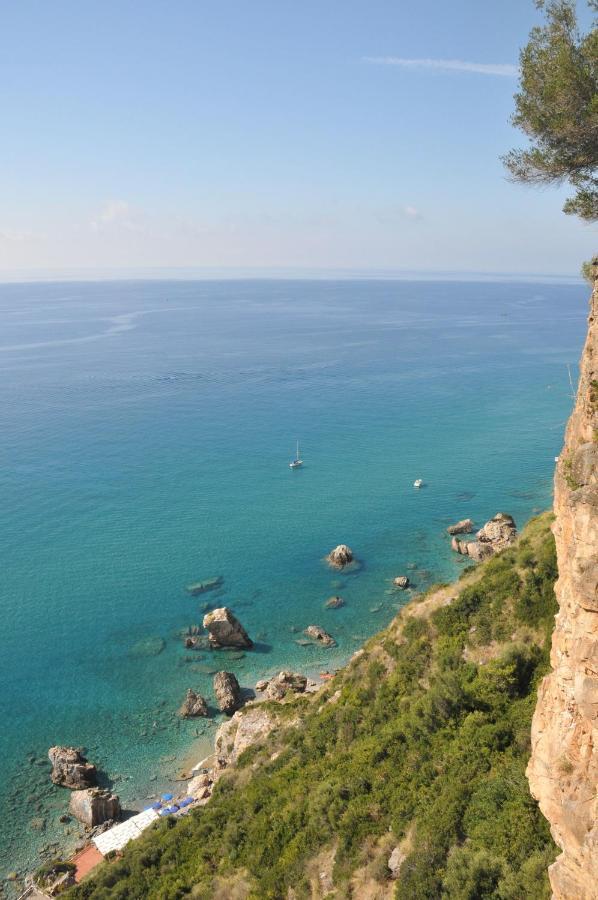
<point x="563" y="769"/>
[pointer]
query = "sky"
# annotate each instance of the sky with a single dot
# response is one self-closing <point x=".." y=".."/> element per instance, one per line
<point x="325" y="134"/>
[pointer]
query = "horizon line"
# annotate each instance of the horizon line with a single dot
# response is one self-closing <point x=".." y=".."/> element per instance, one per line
<point x="267" y="273"/>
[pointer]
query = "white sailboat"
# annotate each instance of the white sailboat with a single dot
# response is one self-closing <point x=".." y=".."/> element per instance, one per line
<point x="297" y="462"/>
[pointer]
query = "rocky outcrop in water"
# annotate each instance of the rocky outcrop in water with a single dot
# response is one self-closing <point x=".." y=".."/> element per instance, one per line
<point x="496" y="535"/>
<point x="563" y="769"/>
<point x="334" y="603"/>
<point x="94" y="806"/>
<point x="228" y="692"/>
<point x="318" y="634"/>
<point x="340" y="557"/>
<point x="71" y="769"/>
<point x="401" y="581"/>
<point x="465" y="526"/>
<point x="193" y="705"/>
<point x="225" y="630"/>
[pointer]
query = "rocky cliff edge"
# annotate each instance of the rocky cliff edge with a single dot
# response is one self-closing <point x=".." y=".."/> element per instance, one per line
<point x="563" y="769"/>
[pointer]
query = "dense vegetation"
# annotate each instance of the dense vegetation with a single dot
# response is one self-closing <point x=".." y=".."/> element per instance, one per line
<point x="424" y="747"/>
<point x="557" y="107"/>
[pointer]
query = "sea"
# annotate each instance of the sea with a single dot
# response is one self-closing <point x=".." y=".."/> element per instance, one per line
<point x="146" y="433"/>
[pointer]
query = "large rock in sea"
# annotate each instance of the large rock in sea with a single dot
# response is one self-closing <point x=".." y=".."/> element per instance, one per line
<point x="401" y="581"/>
<point x="228" y="692"/>
<point x="496" y="535"/>
<point x="465" y="526"/>
<point x="341" y="556"/>
<point x="71" y="769"/>
<point x="316" y="633"/>
<point x="193" y="705"/>
<point x="225" y="630"/>
<point x="94" y="806"/>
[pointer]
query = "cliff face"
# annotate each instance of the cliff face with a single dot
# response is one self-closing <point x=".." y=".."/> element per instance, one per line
<point x="563" y="769"/>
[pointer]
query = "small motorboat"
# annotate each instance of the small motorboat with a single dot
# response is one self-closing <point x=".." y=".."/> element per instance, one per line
<point x="418" y="483"/>
<point x="297" y="462"/>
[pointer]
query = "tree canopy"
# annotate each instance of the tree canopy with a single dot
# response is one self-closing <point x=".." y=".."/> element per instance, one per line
<point x="557" y="107"/>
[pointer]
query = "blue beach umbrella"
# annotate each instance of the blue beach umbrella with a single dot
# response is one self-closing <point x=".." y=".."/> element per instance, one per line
<point x="156" y="805"/>
<point x="166" y="796"/>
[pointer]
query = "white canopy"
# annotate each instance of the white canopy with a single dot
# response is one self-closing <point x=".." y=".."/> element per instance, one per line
<point x="116" y="838"/>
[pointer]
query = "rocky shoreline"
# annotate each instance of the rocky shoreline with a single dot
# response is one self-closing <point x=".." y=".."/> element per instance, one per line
<point x="249" y="715"/>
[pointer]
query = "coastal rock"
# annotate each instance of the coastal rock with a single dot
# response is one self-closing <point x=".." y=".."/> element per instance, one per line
<point x="225" y="630"/>
<point x="71" y="769"/>
<point x="563" y="768"/>
<point x="334" y="603"/>
<point x="200" y="787"/>
<point x="94" y="806"/>
<point x="262" y="685"/>
<point x="500" y="532"/>
<point x="496" y="535"/>
<point x="283" y="683"/>
<point x="241" y="731"/>
<point x="401" y="582"/>
<point x="316" y="633"/>
<point x="193" y="705"/>
<point x="228" y="692"/>
<point x="465" y="526"/>
<point x="341" y="556"/>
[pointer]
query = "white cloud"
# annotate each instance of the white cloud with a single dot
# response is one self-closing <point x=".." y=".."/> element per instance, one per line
<point x="446" y="65"/>
<point x="412" y="212"/>
<point x="116" y="213"/>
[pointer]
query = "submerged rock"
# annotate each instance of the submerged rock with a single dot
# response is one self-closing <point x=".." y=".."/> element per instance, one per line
<point x="225" y="630"/>
<point x="341" y="556"/>
<point x="316" y="633"/>
<point x="401" y="581"/>
<point x="149" y="646"/>
<point x="94" y="806"/>
<point x="201" y="587"/>
<point x="465" y="526"/>
<point x="71" y="769"/>
<point x="193" y="705"/>
<point x="228" y="692"/>
<point x="334" y="603"/>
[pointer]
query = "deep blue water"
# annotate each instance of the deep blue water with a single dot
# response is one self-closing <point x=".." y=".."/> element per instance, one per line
<point x="146" y="433"/>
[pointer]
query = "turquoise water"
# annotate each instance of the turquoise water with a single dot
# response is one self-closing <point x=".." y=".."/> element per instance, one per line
<point x="146" y="434"/>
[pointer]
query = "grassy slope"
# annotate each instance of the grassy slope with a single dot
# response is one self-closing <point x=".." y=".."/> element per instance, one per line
<point x="425" y="746"/>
